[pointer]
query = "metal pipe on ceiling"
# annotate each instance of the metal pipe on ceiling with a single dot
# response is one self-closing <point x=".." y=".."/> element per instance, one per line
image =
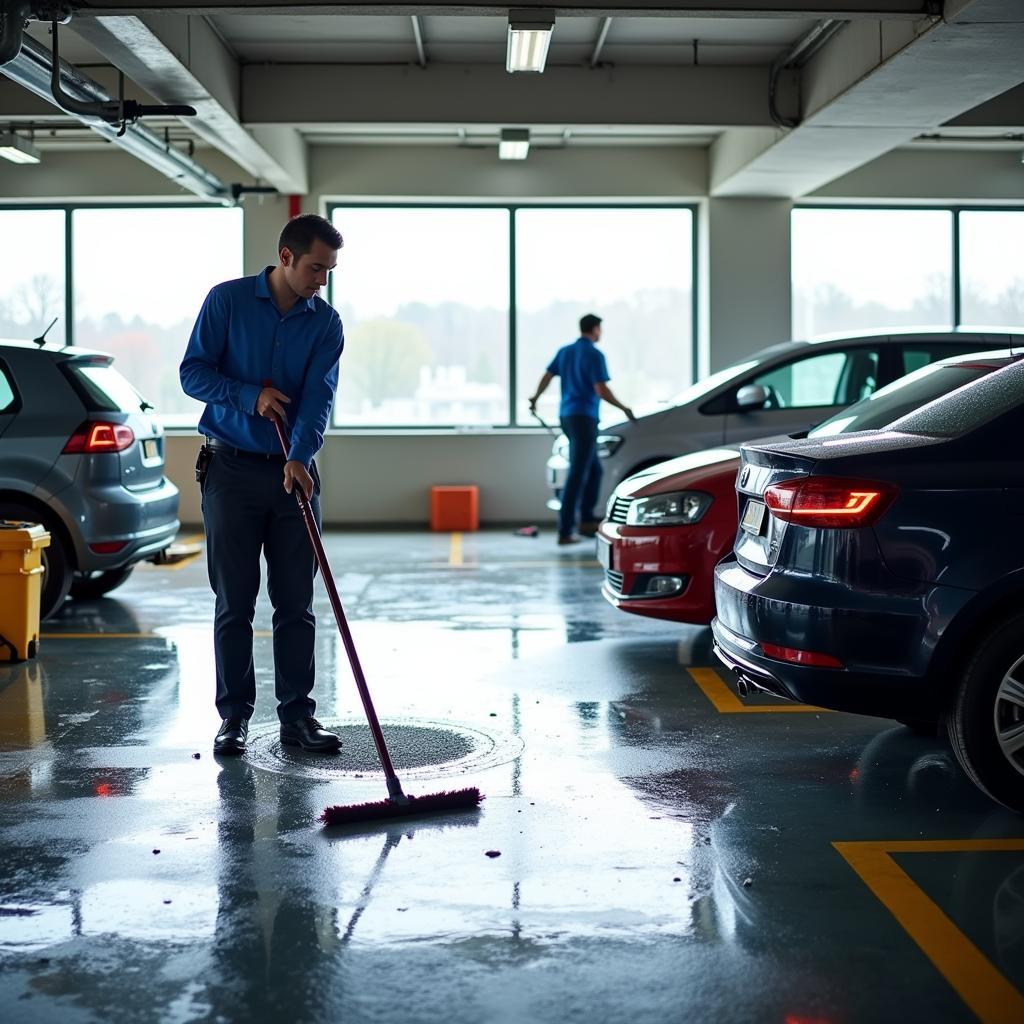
<point x="421" y="50"/>
<point x="32" y="67"/>
<point x="796" y="57"/>
<point x="602" y="37"/>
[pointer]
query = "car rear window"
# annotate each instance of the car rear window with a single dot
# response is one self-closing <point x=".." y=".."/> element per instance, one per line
<point x="969" y="406"/>
<point x="904" y="396"/>
<point x="105" y="390"/>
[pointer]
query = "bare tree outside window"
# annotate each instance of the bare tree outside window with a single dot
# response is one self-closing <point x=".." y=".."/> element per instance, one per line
<point x="32" y="274"/>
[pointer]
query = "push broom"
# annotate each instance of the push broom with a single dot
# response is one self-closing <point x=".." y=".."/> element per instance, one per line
<point x="397" y="805"/>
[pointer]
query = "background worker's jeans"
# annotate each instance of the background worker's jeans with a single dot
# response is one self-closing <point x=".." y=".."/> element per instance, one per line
<point x="246" y="511"/>
<point x="584" y="480"/>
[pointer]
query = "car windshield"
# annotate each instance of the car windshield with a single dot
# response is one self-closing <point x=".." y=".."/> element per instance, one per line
<point x="106" y="390"/>
<point x="708" y="384"/>
<point x="904" y="396"/>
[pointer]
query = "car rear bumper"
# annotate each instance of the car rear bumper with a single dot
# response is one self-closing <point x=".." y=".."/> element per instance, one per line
<point x="637" y="556"/>
<point x="884" y="641"/>
<point x="145" y="522"/>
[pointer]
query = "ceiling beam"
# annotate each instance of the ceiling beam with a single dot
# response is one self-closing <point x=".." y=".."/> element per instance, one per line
<point x="176" y="57"/>
<point x="875" y="87"/>
<point x="487" y="94"/>
<point x="804" y="9"/>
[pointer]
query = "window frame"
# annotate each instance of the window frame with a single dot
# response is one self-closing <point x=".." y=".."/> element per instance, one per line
<point x="955" y="209"/>
<point x="510" y="424"/>
<point x="69" y="249"/>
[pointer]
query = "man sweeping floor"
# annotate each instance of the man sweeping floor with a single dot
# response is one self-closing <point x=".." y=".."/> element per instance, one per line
<point x="272" y="326"/>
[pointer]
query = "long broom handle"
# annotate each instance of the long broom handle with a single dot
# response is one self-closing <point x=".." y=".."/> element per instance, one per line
<point x="394" y="786"/>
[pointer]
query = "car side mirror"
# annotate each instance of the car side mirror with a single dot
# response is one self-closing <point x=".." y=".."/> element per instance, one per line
<point x="752" y="396"/>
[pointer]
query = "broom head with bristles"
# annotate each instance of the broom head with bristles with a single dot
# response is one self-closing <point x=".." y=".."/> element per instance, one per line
<point x="412" y="807"/>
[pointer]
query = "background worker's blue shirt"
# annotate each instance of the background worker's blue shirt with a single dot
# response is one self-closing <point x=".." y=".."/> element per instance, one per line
<point x="580" y="366"/>
<point x="240" y="340"/>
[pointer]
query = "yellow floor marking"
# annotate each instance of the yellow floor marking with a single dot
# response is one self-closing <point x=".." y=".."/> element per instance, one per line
<point x="509" y="565"/>
<point x="976" y="980"/>
<point x="455" y="550"/>
<point x="727" y="703"/>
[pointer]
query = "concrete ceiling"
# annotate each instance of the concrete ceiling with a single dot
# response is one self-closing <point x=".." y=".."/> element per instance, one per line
<point x="268" y="82"/>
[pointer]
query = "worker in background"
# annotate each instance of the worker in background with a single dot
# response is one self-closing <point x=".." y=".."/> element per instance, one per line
<point x="272" y="326"/>
<point x="584" y="379"/>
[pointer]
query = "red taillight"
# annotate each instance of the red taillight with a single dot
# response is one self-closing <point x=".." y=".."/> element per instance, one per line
<point x="824" y="501"/>
<point x="93" y="437"/>
<point x="107" y="547"/>
<point x="795" y="657"/>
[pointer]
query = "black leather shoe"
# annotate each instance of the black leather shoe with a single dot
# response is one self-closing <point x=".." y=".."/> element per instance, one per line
<point x="232" y="736"/>
<point x="309" y="734"/>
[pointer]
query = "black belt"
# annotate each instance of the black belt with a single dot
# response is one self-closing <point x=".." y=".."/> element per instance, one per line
<point x="243" y="453"/>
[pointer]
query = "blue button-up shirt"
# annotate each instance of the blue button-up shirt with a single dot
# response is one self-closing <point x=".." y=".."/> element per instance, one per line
<point x="580" y="365"/>
<point x="242" y="339"/>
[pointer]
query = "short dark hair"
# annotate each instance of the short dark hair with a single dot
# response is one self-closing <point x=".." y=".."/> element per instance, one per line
<point x="301" y="232"/>
<point x="588" y="323"/>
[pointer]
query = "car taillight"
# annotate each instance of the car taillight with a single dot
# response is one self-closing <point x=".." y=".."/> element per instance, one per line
<point x="93" y="436"/>
<point x="795" y="657"/>
<point x="829" y="502"/>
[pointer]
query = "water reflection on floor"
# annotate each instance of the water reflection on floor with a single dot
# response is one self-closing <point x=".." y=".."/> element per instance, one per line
<point x="658" y="860"/>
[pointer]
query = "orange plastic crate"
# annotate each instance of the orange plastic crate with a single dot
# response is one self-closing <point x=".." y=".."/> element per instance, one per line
<point x="455" y="508"/>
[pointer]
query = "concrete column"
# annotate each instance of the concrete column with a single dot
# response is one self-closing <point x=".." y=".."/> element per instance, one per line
<point x="749" y="299"/>
<point x="263" y="220"/>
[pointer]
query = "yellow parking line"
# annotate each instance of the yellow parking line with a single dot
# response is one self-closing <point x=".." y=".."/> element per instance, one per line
<point x="727" y="703"/>
<point x="976" y="980"/>
<point x="455" y="550"/>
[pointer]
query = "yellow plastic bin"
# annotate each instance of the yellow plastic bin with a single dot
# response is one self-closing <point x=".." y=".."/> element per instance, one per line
<point x="21" y="580"/>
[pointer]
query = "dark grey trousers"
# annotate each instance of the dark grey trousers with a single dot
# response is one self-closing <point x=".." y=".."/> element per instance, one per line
<point x="246" y="511"/>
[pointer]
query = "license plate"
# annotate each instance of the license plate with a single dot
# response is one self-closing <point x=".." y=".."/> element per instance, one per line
<point x="604" y="553"/>
<point x="150" y="449"/>
<point x="753" y="517"/>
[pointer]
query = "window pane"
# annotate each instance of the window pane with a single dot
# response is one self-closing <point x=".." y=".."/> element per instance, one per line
<point x="140" y="277"/>
<point x="633" y="268"/>
<point x="6" y="392"/>
<point x="832" y="378"/>
<point x="864" y="269"/>
<point x="423" y="295"/>
<point x="992" y="268"/>
<point x="32" y="274"/>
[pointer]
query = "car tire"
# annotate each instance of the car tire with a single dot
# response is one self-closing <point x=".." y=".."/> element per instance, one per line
<point x="987" y="713"/>
<point x="918" y="726"/>
<point x="56" y="560"/>
<point x="90" y="586"/>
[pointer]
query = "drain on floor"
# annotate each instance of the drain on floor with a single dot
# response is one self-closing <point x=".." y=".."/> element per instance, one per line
<point x="418" y="749"/>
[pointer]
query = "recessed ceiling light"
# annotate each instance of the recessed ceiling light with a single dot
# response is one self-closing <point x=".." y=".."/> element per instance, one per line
<point x="514" y="144"/>
<point x="529" y="36"/>
<point x="18" y="150"/>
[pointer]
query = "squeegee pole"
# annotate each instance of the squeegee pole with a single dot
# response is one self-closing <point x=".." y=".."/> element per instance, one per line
<point x="394" y="786"/>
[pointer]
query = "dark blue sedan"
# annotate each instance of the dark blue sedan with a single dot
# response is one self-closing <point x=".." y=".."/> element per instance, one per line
<point x="879" y="564"/>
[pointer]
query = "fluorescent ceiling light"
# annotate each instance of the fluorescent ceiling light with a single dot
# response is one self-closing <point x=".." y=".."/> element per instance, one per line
<point x="529" y="36"/>
<point x="18" y="150"/>
<point x="515" y="144"/>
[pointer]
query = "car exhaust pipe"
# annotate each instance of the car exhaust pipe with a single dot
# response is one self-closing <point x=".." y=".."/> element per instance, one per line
<point x="742" y="686"/>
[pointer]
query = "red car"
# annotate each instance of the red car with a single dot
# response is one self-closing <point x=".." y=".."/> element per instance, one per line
<point x="666" y="529"/>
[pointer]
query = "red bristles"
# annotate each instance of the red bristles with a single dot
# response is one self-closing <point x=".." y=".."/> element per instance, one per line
<point x="432" y="803"/>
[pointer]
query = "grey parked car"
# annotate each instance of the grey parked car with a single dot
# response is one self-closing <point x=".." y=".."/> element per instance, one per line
<point x="780" y="390"/>
<point x="79" y="454"/>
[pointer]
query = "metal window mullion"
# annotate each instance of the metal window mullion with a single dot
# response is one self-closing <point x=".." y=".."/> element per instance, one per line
<point x="69" y="276"/>
<point x="957" y="299"/>
<point x="513" y="336"/>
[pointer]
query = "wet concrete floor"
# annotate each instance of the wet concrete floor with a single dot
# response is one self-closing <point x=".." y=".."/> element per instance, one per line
<point x="668" y="852"/>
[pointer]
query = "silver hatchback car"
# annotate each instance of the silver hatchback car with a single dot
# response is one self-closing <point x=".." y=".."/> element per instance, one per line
<point x="80" y="455"/>
<point x="781" y="390"/>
